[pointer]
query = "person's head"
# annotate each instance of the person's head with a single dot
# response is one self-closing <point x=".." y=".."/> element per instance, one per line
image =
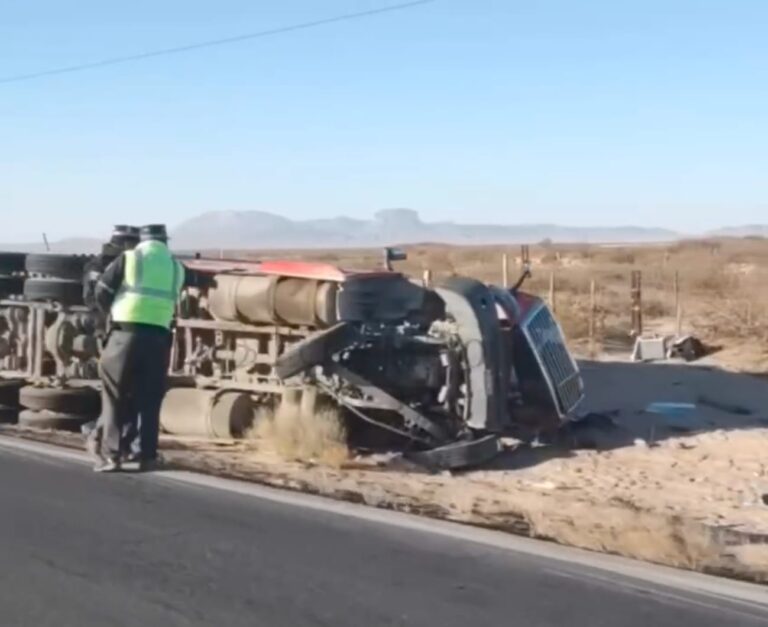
<point x="153" y="233"/>
<point x="124" y="237"/>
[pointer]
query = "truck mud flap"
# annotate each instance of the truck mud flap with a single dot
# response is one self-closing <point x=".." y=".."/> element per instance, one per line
<point x="315" y="350"/>
<point x="458" y="455"/>
<point x="473" y="308"/>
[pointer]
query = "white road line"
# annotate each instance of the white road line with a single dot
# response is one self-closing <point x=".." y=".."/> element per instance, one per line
<point x="748" y="595"/>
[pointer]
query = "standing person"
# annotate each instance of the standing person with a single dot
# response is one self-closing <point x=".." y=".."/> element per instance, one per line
<point x="123" y="238"/>
<point x="140" y="290"/>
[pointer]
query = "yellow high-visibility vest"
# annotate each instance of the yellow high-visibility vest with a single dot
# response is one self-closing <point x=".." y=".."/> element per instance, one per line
<point x="152" y="281"/>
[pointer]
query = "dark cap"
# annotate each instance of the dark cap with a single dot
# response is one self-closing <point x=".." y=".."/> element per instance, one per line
<point x="153" y="232"/>
<point x="124" y="236"/>
<point x="123" y="231"/>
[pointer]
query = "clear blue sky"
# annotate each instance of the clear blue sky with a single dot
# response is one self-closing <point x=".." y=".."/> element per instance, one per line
<point x="579" y="112"/>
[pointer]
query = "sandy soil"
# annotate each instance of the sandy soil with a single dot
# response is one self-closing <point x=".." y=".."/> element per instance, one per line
<point x="688" y="491"/>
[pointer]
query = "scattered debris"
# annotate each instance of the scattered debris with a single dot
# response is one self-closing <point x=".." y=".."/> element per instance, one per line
<point x="661" y="348"/>
<point x="677" y="416"/>
<point x="670" y="409"/>
<point x="545" y="485"/>
<point x="689" y="348"/>
<point x="462" y="454"/>
<point x="650" y="349"/>
<point x="595" y="419"/>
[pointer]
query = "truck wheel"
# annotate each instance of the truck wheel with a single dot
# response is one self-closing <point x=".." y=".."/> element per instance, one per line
<point x="10" y="263"/>
<point x="51" y="420"/>
<point x="9" y="391"/>
<point x="58" y="266"/>
<point x="84" y="401"/>
<point x="64" y="291"/>
<point x="11" y="286"/>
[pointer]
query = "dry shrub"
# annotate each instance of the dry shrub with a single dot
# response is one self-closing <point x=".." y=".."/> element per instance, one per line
<point x="549" y="257"/>
<point x="573" y="317"/>
<point x="439" y="261"/>
<point x="709" y="280"/>
<point x="622" y="256"/>
<point x="295" y="436"/>
<point x="656" y="308"/>
<point x="583" y="251"/>
<point x="575" y="281"/>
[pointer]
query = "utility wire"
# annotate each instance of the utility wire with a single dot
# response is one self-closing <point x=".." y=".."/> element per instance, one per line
<point x="210" y="44"/>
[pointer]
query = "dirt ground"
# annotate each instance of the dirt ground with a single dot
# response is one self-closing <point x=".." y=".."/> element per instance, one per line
<point x="689" y="490"/>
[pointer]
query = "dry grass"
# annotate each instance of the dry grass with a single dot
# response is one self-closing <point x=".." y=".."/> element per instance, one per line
<point x="296" y="436"/>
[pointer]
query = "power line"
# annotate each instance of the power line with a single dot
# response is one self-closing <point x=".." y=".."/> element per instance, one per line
<point x="210" y="44"/>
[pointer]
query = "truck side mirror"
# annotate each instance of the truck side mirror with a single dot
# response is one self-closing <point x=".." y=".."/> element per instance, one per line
<point x="393" y="254"/>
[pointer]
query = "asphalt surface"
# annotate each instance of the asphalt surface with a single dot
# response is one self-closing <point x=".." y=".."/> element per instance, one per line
<point x="79" y="549"/>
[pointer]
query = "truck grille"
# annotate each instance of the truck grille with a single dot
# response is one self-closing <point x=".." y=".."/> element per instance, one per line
<point x="548" y="343"/>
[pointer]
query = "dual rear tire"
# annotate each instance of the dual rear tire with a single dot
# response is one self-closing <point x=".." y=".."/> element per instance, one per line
<point x="56" y="421"/>
<point x="45" y="278"/>
<point x="9" y="400"/>
<point x="11" y="274"/>
<point x="61" y="409"/>
<point x="55" y="278"/>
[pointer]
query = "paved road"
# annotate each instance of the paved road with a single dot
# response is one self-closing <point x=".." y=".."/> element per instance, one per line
<point x="82" y="550"/>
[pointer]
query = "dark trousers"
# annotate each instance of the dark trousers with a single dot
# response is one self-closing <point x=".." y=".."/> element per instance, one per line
<point x="134" y="368"/>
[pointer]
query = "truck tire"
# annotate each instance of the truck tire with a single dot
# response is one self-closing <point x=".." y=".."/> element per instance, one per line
<point x="11" y="263"/>
<point x="83" y="401"/>
<point x="51" y="420"/>
<point x="57" y="266"/>
<point x="64" y="291"/>
<point x="9" y="391"/>
<point x="11" y="286"/>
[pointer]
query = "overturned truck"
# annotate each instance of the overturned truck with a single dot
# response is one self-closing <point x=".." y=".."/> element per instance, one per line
<point x="448" y="368"/>
<point x="445" y="369"/>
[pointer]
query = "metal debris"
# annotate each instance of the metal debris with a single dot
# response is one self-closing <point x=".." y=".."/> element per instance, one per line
<point x="689" y="348"/>
<point x="650" y="349"/>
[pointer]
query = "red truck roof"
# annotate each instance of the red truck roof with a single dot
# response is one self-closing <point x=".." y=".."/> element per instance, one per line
<point x="296" y="269"/>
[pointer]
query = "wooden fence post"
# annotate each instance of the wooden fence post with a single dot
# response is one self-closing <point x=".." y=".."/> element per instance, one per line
<point x="505" y="270"/>
<point x="637" y="303"/>
<point x="552" y="301"/>
<point x="525" y="255"/>
<point x="678" y="306"/>
<point x="592" y="314"/>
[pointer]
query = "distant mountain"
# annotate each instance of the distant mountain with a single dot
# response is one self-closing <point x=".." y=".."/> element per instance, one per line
<point x="262" y="230"/>
<point x="747" y="230"/>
